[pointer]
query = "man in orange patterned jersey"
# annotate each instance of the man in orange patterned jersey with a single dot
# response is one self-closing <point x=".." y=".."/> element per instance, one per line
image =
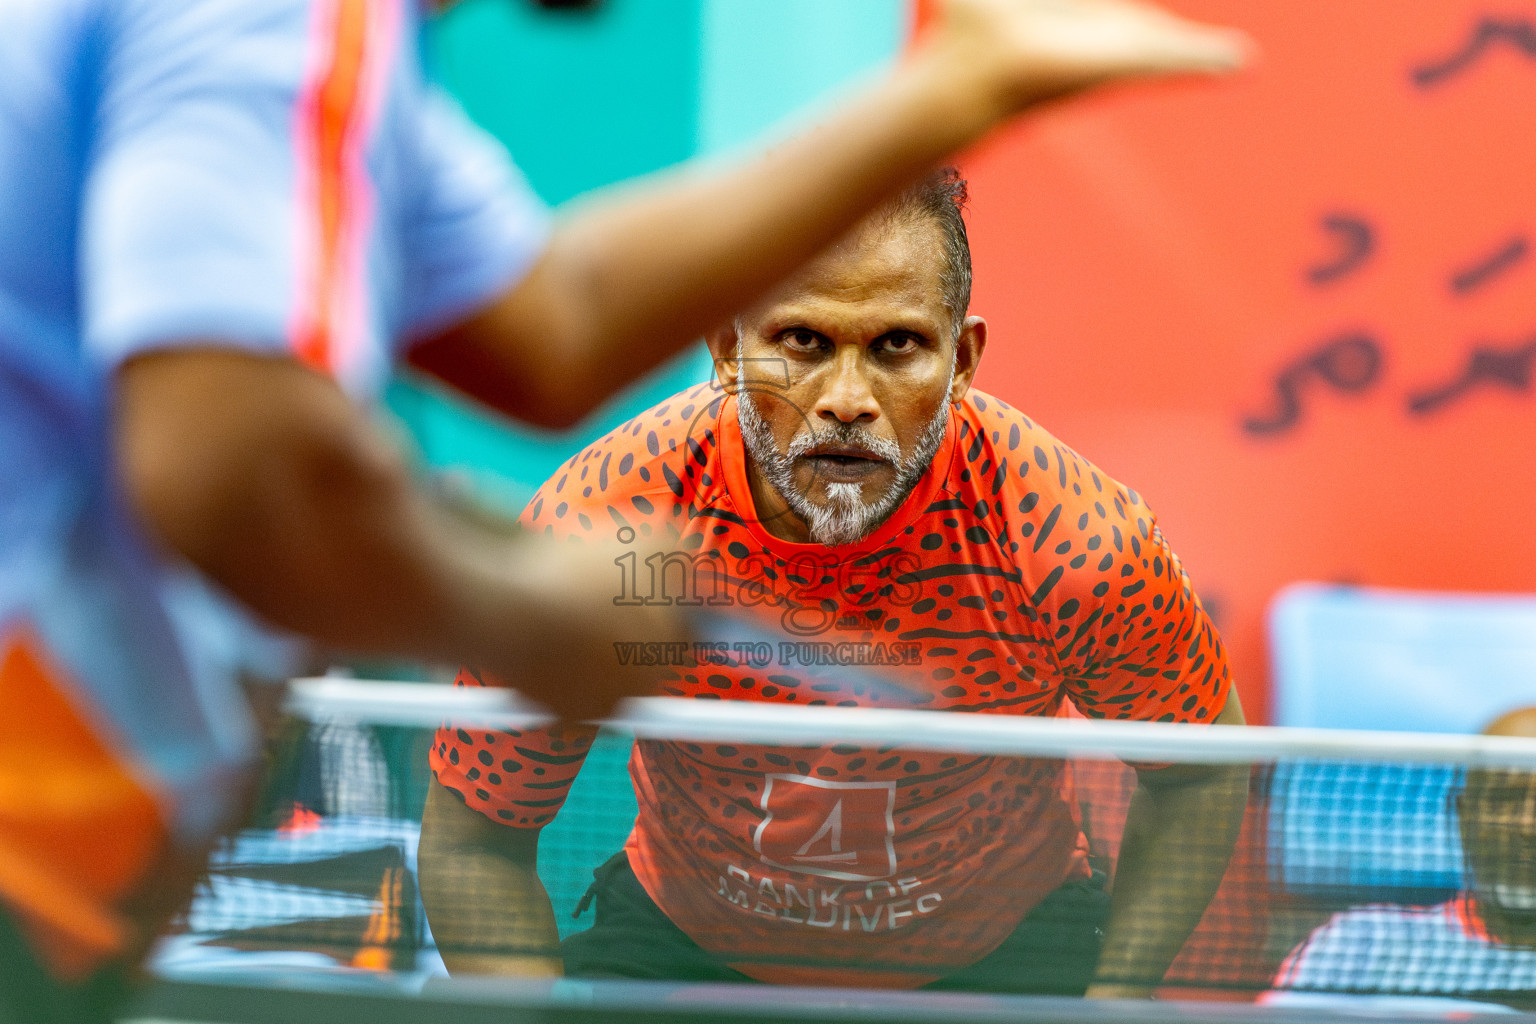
<point x="843" y="479"/>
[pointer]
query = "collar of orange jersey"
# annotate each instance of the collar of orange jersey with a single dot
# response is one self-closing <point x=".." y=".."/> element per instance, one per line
<point x="733" y="464"/>
<point x="1470" y="918"/>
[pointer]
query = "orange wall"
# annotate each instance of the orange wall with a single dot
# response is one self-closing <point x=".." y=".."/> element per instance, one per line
<point x="1160" y="267"/>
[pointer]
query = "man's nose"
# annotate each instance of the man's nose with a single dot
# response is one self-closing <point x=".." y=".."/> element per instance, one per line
<point x="847" y="396"/>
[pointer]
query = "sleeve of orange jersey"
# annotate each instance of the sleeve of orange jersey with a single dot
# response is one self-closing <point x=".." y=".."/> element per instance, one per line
<point x="516" y="778"/>
<point x="521" y="779"/>
<point x="1153" y="654"/>
<point x="1131" y="637"/>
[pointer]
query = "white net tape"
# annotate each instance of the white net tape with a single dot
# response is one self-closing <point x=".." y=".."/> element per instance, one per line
<point x="427" y="705"/>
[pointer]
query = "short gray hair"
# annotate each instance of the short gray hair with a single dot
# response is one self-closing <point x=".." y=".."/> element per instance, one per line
<point x="941" y="196"/>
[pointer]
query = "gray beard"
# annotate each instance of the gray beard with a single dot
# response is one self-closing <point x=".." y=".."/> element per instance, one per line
<point x="845" y="518"/>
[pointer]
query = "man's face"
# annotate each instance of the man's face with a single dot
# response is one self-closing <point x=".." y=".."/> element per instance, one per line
<point x="846" y="378"/>
<point x="1498" y="834"/>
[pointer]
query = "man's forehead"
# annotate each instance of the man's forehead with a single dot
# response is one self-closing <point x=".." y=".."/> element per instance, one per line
<point x="881" y="271"/>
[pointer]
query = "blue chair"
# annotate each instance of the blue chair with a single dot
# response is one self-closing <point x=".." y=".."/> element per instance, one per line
<point x="1369" y="658"/>
<point x="1414" y="661"/>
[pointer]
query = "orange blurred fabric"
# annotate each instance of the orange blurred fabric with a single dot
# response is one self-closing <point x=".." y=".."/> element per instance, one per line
<point x="78" y="827"/>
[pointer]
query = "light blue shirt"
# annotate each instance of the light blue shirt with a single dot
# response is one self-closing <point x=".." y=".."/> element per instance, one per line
<point x="1396" y="950"/>
<point x="161" y="175"/>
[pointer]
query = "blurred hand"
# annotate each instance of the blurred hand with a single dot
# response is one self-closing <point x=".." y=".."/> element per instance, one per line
<point x="1029" y="51"/>
<point x="561" y="650"/>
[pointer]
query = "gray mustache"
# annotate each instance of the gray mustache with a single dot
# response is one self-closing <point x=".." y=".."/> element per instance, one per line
<point x="848" y="436"/>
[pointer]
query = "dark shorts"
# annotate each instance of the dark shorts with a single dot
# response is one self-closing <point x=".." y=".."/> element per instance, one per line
<point x="29" y="994"/>
<point x="1053" y="951"/>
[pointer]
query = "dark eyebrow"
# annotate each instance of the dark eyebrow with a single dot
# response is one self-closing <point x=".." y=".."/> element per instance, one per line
<point x="771" y="328"/>
<point x="796" y="328"/>
<point x="914" y="332"/>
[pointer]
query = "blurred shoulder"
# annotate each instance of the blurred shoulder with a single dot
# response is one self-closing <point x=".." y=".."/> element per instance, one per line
<point x="648" y="466"/>
<point x="1005" y="457"/>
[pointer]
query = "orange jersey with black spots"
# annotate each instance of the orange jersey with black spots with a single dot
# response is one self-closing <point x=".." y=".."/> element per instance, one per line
<point x="1015" y="577"/>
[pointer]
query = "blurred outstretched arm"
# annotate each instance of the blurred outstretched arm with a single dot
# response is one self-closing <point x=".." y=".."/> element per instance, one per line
<point x="633" y="275"/>
<point x="267" y="477"/>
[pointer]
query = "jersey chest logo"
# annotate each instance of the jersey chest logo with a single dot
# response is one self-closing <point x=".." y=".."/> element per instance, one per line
<point x="843" y="830"/>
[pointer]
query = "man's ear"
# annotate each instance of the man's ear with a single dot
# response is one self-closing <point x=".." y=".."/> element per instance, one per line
<point x="969" y="346"/>
<point x="722" y="342"/>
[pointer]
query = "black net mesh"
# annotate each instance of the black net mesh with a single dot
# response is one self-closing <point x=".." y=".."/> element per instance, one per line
<point x="882" y="865"/>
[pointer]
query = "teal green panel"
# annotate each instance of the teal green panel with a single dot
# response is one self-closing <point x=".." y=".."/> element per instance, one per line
<point x="580" y="98"/>
<point x="763" y="60"/>
<point x="596" y="819"/>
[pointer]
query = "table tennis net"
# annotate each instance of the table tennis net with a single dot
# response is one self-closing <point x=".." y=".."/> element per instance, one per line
<point x="894" y="849"/>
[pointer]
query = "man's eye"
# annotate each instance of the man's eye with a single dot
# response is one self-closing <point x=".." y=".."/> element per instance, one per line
<point x="802" y="341"/>
<point x="898" y="344"/>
